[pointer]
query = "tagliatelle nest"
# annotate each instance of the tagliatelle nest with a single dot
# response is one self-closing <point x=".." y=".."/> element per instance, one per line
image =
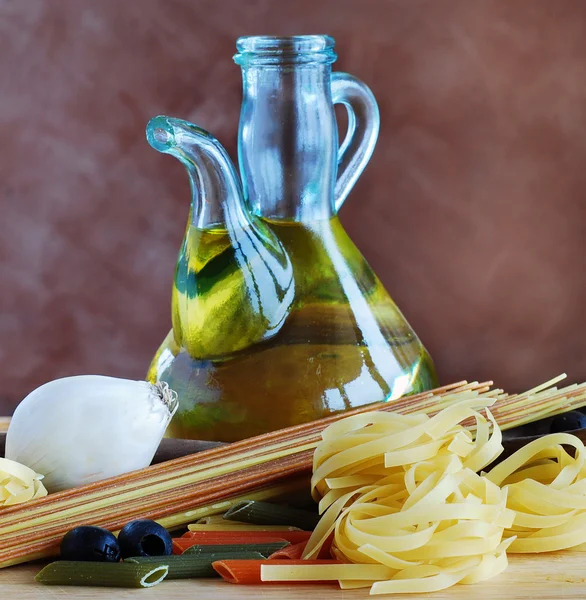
<point x="407" y="493"/>
<point x="18" y="483"/>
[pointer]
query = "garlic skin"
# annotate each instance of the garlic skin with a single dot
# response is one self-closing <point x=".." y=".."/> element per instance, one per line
<point x="86" y="428"/>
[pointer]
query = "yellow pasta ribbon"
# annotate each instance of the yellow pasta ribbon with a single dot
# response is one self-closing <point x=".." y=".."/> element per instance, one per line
<point x="18" y="483"/>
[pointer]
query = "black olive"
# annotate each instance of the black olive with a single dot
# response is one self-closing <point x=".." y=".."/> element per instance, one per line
<point x="144" y="538"/>
<point x="90" y="543"/>
<point x="568" y="421"/>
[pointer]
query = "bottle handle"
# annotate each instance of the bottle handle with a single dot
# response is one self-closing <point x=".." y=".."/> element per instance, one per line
<point x="363" y="127"/>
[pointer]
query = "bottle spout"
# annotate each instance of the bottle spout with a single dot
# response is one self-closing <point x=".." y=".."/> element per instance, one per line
<point x="215" y="186"/>
<point x="160" y="134"/>
<point x="236" y="289"/>
<point x="166" y="133"/>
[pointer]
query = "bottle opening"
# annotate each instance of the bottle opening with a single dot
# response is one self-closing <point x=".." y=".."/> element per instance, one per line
<point x="268" y="49"/>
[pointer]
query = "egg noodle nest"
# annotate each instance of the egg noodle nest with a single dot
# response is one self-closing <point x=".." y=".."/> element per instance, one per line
<point x="407" y="497"/>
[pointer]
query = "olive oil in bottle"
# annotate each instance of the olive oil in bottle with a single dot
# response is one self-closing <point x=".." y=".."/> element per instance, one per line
<point x="343" y="342"/>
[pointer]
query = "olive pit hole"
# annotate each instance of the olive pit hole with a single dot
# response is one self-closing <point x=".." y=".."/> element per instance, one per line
<point x="152" y="545"/>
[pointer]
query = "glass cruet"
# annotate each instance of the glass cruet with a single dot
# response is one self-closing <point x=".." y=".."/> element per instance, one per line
<point x="277" y="317"/>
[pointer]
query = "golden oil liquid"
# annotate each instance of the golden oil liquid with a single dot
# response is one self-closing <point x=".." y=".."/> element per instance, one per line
<point x="342" y="343"/>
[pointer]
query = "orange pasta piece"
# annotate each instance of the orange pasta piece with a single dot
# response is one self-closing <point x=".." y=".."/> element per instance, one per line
<point x="229" y="537"/>
<point x="295" y="551"/>
<point x="248" y="571"/>
<point x="292" y="552"/>
<point x="326" y="550"/>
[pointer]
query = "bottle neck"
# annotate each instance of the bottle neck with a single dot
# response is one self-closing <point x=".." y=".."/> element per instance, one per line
<point x="288" y="140"/>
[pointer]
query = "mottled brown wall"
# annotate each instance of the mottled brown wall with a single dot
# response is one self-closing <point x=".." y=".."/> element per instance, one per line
<point x="473" y="210"/>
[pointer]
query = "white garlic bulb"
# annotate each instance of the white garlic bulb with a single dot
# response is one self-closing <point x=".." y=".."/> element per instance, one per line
<point x="82" y="429"/>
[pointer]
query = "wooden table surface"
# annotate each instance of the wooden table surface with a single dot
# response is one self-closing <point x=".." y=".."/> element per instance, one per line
<point x="552" y="577"/>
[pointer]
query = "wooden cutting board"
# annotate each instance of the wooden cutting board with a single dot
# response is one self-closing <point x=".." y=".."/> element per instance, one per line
<point x="529" y="577"/>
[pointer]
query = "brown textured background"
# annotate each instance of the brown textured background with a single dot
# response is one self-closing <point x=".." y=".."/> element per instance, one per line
<point x="472" y="211"/>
